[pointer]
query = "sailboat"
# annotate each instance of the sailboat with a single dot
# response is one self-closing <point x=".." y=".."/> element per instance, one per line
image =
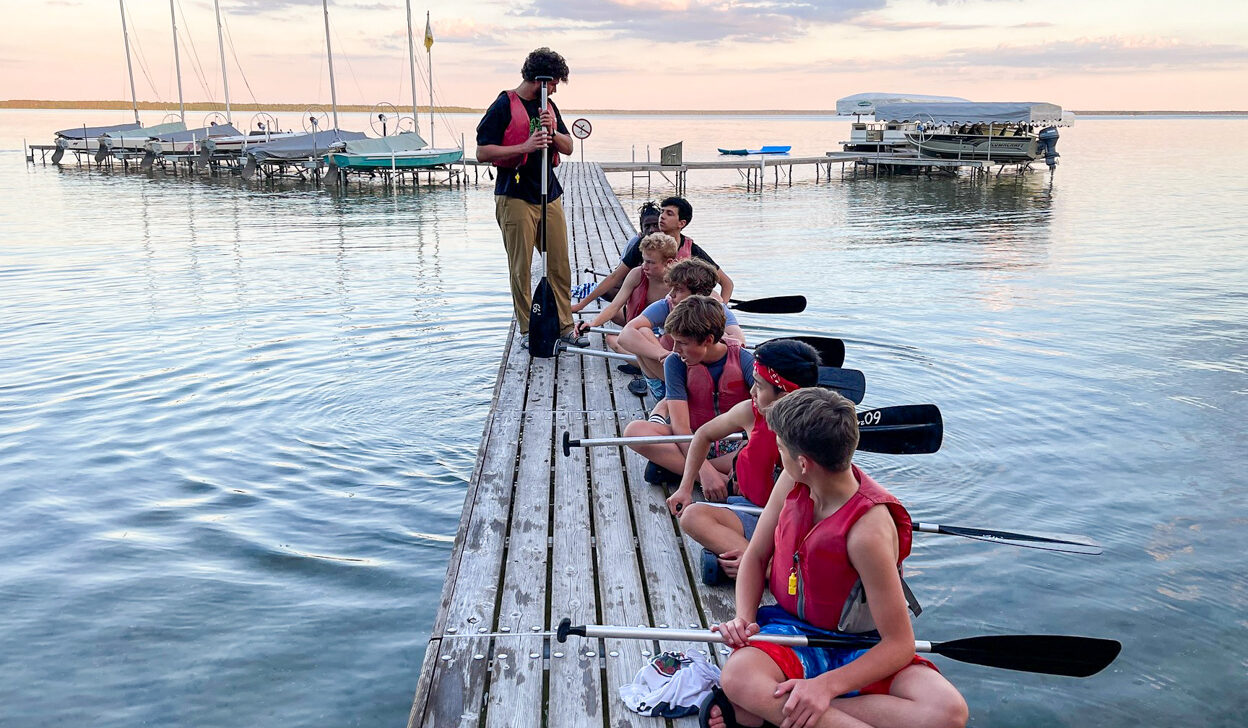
<point x="405" y="150"/>
<point x="87" y="138"/>
<point x="303" y="148"/>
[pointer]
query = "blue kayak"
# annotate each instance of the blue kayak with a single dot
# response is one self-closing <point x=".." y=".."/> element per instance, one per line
<point x="764" y="150"/>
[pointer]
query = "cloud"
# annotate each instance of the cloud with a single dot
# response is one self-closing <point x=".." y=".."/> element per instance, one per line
<point x="701" y="20"/>
<point x="1099" y="55"/>
<point x="265" y="7"/>
<point x="874" y="22"/>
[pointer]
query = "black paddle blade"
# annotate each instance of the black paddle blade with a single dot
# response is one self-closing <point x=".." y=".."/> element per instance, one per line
<point x="850" y="383"/>
<point x="1064" y="543"/>
<point x="1048" y="654"/>
<point x="912" y="429"/>
<point x="777" y="304"/>
<point x="831" y="351"/>
<point x="543" y="321"/>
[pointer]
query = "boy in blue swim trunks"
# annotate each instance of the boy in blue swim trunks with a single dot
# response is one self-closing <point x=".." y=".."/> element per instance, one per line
<point x="831" y="537"/>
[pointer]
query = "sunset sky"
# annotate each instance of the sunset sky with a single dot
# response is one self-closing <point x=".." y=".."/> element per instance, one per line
<point x="648" y="54"/>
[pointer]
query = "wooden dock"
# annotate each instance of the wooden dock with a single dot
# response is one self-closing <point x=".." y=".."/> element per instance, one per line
<point x="544" y="536"/>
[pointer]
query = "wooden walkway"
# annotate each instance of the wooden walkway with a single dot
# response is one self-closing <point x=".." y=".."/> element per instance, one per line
<point x="543" y="536"/>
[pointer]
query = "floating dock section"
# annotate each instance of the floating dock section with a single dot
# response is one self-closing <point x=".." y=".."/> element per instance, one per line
<point x="544" y="536"/>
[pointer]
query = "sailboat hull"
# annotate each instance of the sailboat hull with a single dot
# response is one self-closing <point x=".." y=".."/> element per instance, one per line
<point x="401" y="160"/>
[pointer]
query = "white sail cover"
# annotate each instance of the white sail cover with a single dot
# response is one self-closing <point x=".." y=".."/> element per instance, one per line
<point x="217" y="130"/>
<point x="866" y="103"/>
<point x="303" y="145"/>
<point x="147" y="131"/>
<point x="408" y="141"/>
<point x="91" y="132"/>
<point x="972" y="112"/>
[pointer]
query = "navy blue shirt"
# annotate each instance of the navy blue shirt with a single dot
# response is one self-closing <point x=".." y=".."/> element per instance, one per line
<point x="525" y="182"/>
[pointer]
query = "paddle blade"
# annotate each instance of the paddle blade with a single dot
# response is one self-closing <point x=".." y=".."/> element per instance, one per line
<point x="776" y="304"/>
<point x="1048" y="654"/>
<point x="850" y="383"/>
<point x="912" y="429"/>
<point x="831" y="351"/>
<point x="1065" y="543"/>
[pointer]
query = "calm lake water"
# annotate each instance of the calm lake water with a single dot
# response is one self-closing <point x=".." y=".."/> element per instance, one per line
<point x="237" y="421"/>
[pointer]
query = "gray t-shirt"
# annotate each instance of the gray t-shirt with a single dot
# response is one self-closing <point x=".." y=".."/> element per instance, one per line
<point x="675" y="373"/>
<point x="657" y="312"/>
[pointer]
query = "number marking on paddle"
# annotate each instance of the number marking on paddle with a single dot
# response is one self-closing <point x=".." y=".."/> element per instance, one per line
<point x="870" y="417"/>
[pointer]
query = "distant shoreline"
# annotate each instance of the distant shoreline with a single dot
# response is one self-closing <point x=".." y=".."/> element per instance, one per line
<point x="112" y="105"/>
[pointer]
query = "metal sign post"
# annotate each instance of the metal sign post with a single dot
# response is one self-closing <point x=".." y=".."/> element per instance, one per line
<point x="581" y="129"/>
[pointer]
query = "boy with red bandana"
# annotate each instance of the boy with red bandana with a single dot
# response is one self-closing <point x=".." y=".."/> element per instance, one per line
<point x="781" y="367"/>
<point x="835" y="540"/>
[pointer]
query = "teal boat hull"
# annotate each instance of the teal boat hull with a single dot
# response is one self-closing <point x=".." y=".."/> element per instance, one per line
<point x="403" y="160"/>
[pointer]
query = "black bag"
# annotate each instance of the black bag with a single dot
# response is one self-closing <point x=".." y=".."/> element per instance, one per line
<point x="543" y="321"/>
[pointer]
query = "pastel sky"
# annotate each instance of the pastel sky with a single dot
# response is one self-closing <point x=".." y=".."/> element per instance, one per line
<point x="648" y="54"/>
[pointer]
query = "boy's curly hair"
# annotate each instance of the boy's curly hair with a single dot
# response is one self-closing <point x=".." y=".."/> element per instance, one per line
<point x="544" y="62"/>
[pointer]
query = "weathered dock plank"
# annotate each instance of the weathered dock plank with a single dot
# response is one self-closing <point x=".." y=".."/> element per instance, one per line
<point x="544" y="536"/>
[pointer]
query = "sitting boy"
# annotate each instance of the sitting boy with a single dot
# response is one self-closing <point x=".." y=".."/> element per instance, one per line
<point x="706" y="377"/>
<point x="643" y="285"/>
<point x="608" y="287"/>
<point x="674" y="215"/>
<point x="781" y="366"/>
<point x="644" y="337"/>
<point x="835" y="541"/>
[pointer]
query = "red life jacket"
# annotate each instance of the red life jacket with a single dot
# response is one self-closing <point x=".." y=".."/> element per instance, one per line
<point x="706" y="400"/>
<point x="757" y="461"/>
<point x="518" y="129"/>
<point x="811" y="576"/>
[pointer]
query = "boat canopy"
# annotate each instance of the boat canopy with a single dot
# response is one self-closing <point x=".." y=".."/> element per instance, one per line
<point x="303" y="145"/>
<point x="190" y="135"/>
<point x="866" y="103"/>
<point x="408" y="141"/>
<point x="91" y="132"/>
<point x="973" y="112"/>
<point x="147" y="131"/>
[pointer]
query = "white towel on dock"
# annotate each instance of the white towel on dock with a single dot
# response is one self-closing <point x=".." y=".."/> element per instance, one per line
<point x="671" y="685"/>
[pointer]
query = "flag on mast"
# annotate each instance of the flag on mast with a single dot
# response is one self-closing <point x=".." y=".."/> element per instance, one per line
<point x="428" y="33"/>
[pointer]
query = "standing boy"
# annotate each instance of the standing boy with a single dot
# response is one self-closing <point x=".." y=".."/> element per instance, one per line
<point x="835" y="541"/>
<point x="511" y="136"/>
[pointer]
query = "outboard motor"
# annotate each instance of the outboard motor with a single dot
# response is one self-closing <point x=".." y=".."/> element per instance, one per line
<point x="1047" y="142"/>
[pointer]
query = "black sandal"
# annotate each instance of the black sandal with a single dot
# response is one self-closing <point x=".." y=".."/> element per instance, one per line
<point x="726" y="710"/>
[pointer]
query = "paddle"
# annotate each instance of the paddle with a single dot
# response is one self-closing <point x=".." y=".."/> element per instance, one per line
<point x="775" y="304"/>
<point x="901" y="430"/>
<point x="1061" y="542"/>
<point x="831" y="351"/>
<point x="1066" y="655"/>
<point x="850" y="383"/>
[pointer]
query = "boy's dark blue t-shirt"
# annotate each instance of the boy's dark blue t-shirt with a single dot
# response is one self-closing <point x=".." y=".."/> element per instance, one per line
<point x="524" y="183"/>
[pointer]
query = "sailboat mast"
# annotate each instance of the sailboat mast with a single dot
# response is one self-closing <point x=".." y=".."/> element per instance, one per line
<point x="411" y="64"/>
<point x="329" y="52"/>
<point x="125" y="34"/>
<point x="177" y="62"/>
<point x="429" y="52"/>
<point x="225" y="78"/>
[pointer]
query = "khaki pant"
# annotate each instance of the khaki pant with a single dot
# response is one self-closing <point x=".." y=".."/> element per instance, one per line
<point x="520" y="223"/>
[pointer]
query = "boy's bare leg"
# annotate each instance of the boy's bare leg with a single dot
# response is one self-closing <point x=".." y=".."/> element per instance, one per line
<point x="919" y="697"/>
<point x="719" y="531"/>
<point x="652" y="368"/>
<point x="666" y="455"/>
<point x="750" y="678"/>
